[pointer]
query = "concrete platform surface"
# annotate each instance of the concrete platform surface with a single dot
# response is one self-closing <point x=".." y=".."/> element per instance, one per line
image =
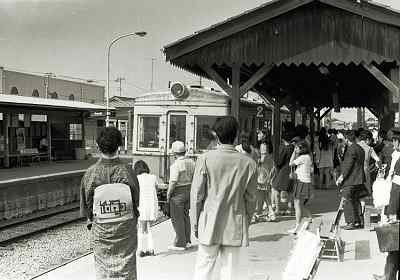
<point x="266" y="257"/>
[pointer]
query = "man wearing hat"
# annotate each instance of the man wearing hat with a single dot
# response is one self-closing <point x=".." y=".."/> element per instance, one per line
<point x="178" y="195"/>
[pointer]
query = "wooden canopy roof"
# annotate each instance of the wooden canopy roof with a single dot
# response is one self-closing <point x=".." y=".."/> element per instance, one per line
<point x="304" y="51"/>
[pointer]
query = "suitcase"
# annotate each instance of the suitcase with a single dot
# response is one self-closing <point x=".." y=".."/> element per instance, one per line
<point x="388" y="237"/>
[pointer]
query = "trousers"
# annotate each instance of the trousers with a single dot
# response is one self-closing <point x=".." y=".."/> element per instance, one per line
<point x="352" y="205"/>
<point x="179" y="210"/>
<point x="207" y="256"/>
<point x="392" y="265"/>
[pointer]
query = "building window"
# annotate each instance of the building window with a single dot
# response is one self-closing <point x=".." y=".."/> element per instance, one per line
<point x="204" y="136"/>
<point x="148" y="131"/>
<point x="71" y="97"/>
<point x="75" y="131"/>
<point x="54" y="95"/>
<point x="14" y="91"/>
<point x="35" y="93"/>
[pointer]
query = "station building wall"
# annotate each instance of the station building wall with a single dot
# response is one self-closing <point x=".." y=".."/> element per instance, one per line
<point x="31" y="85"/>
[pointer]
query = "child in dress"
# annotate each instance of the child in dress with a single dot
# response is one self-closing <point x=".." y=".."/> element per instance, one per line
<point x="303" y="191"/>
<point x="148" y="207"/>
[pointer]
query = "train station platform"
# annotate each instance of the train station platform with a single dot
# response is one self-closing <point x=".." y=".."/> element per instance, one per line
<point x="265" y="258"/>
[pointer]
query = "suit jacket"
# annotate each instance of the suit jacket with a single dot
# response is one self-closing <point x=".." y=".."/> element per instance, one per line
<point x="353" y="166"/>
<point x="223" y="196"/>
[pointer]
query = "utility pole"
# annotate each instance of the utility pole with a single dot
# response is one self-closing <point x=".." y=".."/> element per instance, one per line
<point x="120" y="79"/>
<point x="152" y="74"/>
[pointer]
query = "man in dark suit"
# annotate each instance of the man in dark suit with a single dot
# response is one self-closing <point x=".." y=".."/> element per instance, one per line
<point x="351" y="181"/>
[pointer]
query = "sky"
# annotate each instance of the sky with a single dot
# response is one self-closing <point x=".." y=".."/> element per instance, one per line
<point x="70" y="37"/>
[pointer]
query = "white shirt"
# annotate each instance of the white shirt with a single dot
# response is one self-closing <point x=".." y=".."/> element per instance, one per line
<point x="395" y="157"/>
<point x="303" y="170"/>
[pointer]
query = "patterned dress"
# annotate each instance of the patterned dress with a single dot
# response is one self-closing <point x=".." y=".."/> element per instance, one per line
<point x="114" y="244"/>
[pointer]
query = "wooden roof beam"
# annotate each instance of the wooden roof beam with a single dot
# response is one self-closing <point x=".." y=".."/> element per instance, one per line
<point x="325" y="113"/>
<point x="218" y="79"/>
<point x="385" y="81"/>
<point x="255" y="78"/>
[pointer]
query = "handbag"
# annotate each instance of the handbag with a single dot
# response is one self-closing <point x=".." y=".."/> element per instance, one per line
<point x="388" y="237"/>
<point x="381" y="192"/>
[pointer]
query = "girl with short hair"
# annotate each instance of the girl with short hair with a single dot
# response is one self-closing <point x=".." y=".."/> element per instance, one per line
<point x="303" y="191"/>
<point x="148" y="207"/>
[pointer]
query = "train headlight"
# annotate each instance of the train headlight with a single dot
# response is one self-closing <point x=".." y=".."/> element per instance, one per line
<point x="179" y="90"/>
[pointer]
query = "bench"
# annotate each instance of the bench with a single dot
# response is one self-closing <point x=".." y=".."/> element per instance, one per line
<point x="32" y="155"/>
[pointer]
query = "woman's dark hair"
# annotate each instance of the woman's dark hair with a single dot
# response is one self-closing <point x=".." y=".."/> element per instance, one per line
<point x="266" y="139"/>
<point x="109" y="139"/>
<point x="140" y="167"/>
<point x="226" y="129"/>
<point x="245" y="142"/>
<point x="323" y="139"/>
<point x="304" y="149"/>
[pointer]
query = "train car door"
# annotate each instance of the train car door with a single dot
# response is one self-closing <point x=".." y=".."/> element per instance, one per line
<point x="177" y="123"/>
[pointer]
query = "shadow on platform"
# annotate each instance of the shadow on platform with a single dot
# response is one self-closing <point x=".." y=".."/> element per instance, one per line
<point x="268" y="237"/>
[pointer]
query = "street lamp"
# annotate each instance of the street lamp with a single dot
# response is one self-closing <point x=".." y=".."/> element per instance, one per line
<point x="140" y="34"/>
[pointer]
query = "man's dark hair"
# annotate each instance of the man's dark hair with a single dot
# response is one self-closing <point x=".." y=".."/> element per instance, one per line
<point x="364" y="135"/>
<point x="140" y="167"/>
<point x="109" y="139"/>
<point x="383" y="134"/>
<point x="226" y="129"/>
<point x="351" y="136"/>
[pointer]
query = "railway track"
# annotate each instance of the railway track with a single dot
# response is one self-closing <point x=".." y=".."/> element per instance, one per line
<point x="11" y="231"/>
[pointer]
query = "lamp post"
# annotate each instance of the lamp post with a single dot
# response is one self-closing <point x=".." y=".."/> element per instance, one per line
<point x="140" y="34"/>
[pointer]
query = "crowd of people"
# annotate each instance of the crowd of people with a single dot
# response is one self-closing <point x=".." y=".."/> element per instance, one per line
<point x="228" y="188"/>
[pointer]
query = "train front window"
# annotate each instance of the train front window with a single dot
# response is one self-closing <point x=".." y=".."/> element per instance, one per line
<point x="204" y="138"/>
<point x="177" y="129"/>
<point x="148" y="131"/>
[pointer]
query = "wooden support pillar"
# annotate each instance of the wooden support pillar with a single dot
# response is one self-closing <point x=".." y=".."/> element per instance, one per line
<point x="276" y="128"/>
<point x="318" y="117"/>
<point x="235" y="105"/>
<point x="303" y="116"/>
<point x="6" y="121"/>
<point x="293" y="115"/>
<point x="312" y="126"/>
<point x="395" y="78"/>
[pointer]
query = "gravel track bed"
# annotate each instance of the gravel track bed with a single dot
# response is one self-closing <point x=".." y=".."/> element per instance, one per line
<point x="30" y="256"/>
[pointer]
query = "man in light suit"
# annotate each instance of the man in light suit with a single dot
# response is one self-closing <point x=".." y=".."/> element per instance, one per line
<point x="351" y="181"/>
<point x="223" y="197"/>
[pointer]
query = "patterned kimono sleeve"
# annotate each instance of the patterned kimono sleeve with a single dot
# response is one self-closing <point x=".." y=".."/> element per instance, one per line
<point x="86" y="195"/>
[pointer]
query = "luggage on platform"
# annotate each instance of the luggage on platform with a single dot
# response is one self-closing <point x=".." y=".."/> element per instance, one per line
<point x="388" y="236"/>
